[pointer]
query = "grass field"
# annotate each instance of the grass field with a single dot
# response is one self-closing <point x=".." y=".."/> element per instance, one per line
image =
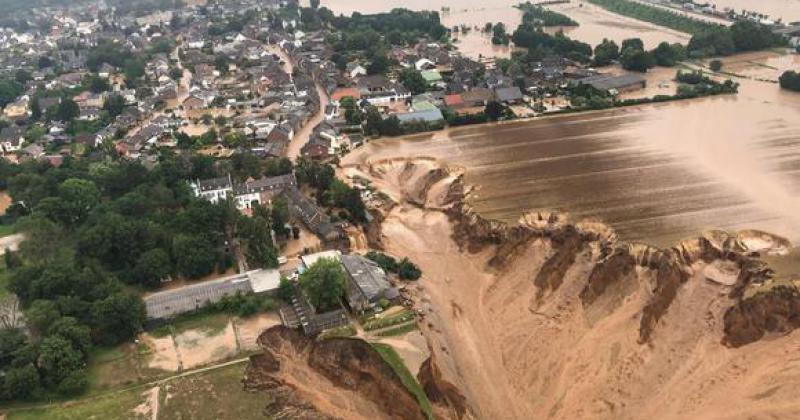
<point x="6" y="230"/>
<point x="112" y="407"/>
<point x="112" y="367"/>
<point x="343" y="331"/>
<point x="210" y="323"/>
<point x="215" y="394"/>
<point x="393" y="359"/>
<point x="388" y="321"/>
<point x="399" y="330"/>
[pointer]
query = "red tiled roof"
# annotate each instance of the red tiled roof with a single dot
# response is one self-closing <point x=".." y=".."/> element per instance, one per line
<point x="451" y="100"/>
<point x="340" y="93"/>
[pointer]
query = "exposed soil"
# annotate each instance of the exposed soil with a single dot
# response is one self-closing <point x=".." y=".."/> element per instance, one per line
<point x="333" y="378"/>
<point x="547" y="319"/>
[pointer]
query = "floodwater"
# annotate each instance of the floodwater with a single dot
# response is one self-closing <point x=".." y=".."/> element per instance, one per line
<point x="788" y="10"/>
<point x="595" y="22"/>
<point x="655" y="173"/>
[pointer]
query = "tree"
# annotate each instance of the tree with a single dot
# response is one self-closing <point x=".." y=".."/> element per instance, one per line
<point x="324" y="284"/>
<point x="20" y="383"/>
<point x="117" y="318"/>
<point x="407" y="270"/>
<point x="667" y="55"/>
<point x="280" y="216"/>
<point x="494" y="110"/>
<point x="715" y="65"/>
<point x="634" y="43"/>
<point x="36" y="109"/>
<point x="152" y="267"/>
<point x="499" y="35"/>
<point x="605" y="52"/>
<point x="9" y="91"/>
<point x="285" y="290"/>
<point x="379" y="63"/>
<point x="790" y="80"/>
<point x="78" y="197"/>
<point x="194" y="257"/>
<point x="413" y="81"/>
<point x="11" y="340"/>
<point x="66" y="110"/>
<point x="636" y="60"/>
<point x="58" y="360"/>
<point x="222" y="64"/>
<point x="96" y="84"/>
<point x="133" y="69"/>
<point x="314" y="4"/>
<point x="69" y="329"/>
<point x="114" y="104"/>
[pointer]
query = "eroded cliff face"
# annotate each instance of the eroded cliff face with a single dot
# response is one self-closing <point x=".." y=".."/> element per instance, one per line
<point x="552" y="319"/>
<point x="334" y="378"/>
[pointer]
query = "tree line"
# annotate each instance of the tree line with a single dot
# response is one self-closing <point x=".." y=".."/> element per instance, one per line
<point x="96" y="231"/>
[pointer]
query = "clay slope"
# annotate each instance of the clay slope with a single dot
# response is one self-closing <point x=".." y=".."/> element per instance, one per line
<point x="547" y="319"/>
<point x="335" y="378"/>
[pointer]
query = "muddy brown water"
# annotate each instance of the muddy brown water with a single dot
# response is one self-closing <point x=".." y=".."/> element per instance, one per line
<point x="595" y="22"/>
<point x="655" y="173"/>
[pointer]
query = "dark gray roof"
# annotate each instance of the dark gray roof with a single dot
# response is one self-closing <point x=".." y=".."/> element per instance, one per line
<point x="367" y="276"/>
<point x="604" y="82"/>
<point x="508" y="94"/>
<point x="214" y="183"/>
<point x="169" y="303"/>
<point x="266" y="183"/>
<point x="428" y="115"/>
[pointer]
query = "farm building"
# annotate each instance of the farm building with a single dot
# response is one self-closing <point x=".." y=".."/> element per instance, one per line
<point x="170" y="303"/>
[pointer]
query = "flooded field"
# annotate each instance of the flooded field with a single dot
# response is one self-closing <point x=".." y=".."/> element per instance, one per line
<point x="788" y="10"/>
<point x="656" y="173"/>
<point x="595" y="23"/>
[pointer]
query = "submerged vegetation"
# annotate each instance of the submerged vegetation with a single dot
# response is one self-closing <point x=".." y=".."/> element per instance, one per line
<point x="655" y="15"/>
<point x="538" y="15"/>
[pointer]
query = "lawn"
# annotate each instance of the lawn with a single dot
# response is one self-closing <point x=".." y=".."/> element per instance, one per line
<point x="115" y="406"/>
<point x="398" y="318"/>
<point x="216" y="394"/>
<point x="210" y="323"/>
<point x="343" y="331"/>
<point x="399" y="330"/>
<point x="111" y="367"/>
<point x="393" y="359"/>
<point x="6" y="230"/>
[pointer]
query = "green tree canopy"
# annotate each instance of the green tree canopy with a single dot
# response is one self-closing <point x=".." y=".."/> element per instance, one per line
<point x="324" y="284"/>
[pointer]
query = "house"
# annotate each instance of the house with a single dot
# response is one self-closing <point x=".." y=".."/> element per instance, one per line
<point x="18" y="109"/>
<point x="614" y="84"/>
<point x="424" y="64"/>
<point x="367" y="283"/>
<point x="12" y="138"/>
<point x="354" y="70"/>
<point x="509" y="95"/>
<point x="170" y="303"/>
<point x="477" y="97"/>
<point x="432" y="77"/>
<point x="430" y="116"/>
<point x="454" y="101"/>
<point x="378" y="90"/>
<point x="193" y="102"/>
<point x="338" y="94"/>
<point x="214" y="189"/>
<point x="257" y="192"/>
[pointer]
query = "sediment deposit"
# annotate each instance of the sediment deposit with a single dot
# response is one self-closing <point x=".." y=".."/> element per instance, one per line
<point x="553" y="319"/>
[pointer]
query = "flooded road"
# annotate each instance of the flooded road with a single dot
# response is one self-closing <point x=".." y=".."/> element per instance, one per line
<point x="656" y="173"/>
